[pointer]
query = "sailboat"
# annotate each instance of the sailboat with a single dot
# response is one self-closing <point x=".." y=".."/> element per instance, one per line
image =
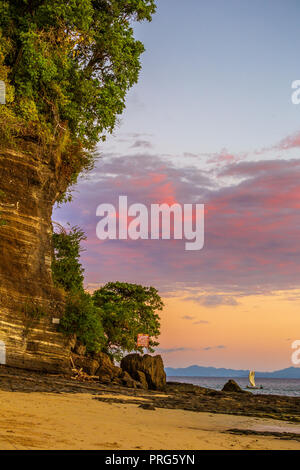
<point x="252" y="381"/>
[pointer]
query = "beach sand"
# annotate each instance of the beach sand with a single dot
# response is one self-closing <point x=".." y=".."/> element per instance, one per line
<point x="78" y="421"/>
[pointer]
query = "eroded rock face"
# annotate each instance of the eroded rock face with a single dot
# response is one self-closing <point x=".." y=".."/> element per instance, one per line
<point x="151" y="366"/>
<point x="29" y="185"/>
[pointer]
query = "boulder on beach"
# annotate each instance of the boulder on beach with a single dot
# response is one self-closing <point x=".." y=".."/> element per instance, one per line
<point x="151" y="366"/>
<point x="232" y="386"/>
<point x="106" y="371"/>
<point x="87" y="364"/>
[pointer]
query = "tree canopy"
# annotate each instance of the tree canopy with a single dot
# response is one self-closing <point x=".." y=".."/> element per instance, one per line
<point x="127" y="310"/>
<point x="68" y="66"/>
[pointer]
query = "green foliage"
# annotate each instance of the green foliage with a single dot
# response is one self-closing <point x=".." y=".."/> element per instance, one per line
<point x="111" y="319"/>
<point x="68" y="66"/>
<point x="67" y="271"/>
<point x="83" y="318"/>
<point x="127" y="310"/>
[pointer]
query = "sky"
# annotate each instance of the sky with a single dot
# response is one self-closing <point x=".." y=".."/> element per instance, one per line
<point x="210" y="122"/>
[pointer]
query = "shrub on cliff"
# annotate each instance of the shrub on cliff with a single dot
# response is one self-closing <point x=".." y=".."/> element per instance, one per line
<point x="83" y="318"/>
<point x="67" y="271"/>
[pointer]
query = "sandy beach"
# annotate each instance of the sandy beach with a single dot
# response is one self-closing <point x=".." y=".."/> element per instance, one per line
<point x="78" y="421"/>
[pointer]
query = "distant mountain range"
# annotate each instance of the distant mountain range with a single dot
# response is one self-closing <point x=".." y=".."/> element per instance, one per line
<point x="198" y="371"/>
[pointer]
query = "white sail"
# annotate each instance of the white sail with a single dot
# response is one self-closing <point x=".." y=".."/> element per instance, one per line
<point x="251" y="378"/>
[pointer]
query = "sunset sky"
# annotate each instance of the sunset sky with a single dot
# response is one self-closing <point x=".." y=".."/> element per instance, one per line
<point x="211" y="121"/>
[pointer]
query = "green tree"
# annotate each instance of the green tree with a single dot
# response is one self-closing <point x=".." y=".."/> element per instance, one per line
<point x="127" y="310"/>
<point x="68" y="66"/>
<point x="67" y="270"/>
<point x="83" y="318"/>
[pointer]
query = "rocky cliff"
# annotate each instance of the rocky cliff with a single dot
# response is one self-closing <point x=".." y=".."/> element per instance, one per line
<point x="29" y="185"/>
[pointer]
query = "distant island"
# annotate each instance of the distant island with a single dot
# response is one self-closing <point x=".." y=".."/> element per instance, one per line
<point x="199" y="371"/>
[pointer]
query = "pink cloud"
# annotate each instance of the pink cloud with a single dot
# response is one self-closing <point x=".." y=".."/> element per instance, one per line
<point x="292" y="141"/>
<point x="224" y="157"/>
<point x="252" y="235"/>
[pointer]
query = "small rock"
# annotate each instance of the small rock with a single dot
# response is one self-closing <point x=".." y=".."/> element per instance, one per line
<point x="105" y="379"/>
<point x="232" y="386"/>
<point x="147" y="406"/>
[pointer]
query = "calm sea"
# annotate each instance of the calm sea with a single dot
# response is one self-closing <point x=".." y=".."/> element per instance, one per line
<point x="289" y="387"/>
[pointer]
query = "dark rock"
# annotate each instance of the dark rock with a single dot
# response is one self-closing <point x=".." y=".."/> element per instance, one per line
<point x="117" y="372"/>
<point x="151" y="366"/>
<point x="105" y="364"/>
<point x="117" y="381"/>
<point x="232" y="386"/>
<point x="103" y="359"/>
<point x="215" y="393"/>
<point x="182" y="387"/>
<point x="128" y="381"/>
<point x="147" y="406"/>
<point x="105" y="379"/>
<point x="102" y="366"/>
<point x="89" y="365"/>
<point x="106" y="367"/>
<point x="279" y="435"/>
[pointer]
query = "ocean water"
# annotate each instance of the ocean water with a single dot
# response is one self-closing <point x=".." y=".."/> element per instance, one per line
<point x="289" y="387"/>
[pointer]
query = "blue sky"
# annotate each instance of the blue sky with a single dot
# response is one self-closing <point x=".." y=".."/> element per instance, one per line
<point x="216" y="74"/>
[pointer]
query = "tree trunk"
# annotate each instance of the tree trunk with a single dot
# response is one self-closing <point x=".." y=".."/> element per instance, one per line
<point x="28" y="300"/>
